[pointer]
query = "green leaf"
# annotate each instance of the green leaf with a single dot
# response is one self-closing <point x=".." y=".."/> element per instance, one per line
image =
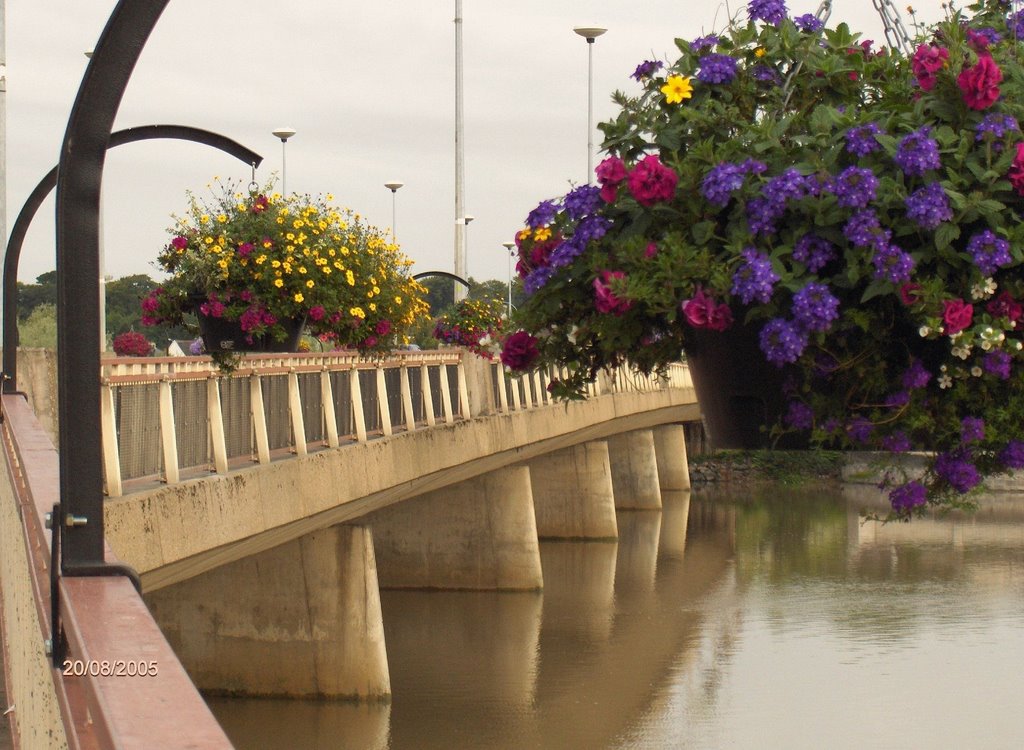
<point x="946" y="235"/>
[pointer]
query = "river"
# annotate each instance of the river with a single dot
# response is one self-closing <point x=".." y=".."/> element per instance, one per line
<point x="733" y="618"/>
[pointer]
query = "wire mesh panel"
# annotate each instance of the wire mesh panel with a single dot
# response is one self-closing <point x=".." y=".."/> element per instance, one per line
<point x="393" y="388"/>
<point x="236" y="411"/>
<point x="312" y="406"/>
<point x="137" y="411"/>
<point x="342" y="403"/>
<point x="275" y="404"/>
<point x="368" y="387"/>
<point x="416" y="389"/>
<point x="453" y="389"/>
<point x="434" y="374"/>
<point x="191" y="423"/>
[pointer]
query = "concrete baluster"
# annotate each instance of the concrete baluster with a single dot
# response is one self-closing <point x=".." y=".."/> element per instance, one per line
<point x="446" y="394"/>
<point x="215" y="417"/>
<point x="382" y="403"/>
<point x="428" y="395"/>
<point x="295" y="411"/>
<point x="111" y="453"/>
<point x="356" y="396"/>
<point x="329" y="415"/>
<point x="259" y="419"/>
<point x="410" y="416"/>
<point x="168" y="434"/>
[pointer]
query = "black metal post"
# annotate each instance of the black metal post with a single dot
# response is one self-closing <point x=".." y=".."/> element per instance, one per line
<point x="79" y="176"/>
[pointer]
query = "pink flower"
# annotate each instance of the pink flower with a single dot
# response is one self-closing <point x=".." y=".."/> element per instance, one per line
<point x="703" y="312"/>
<point x="927" y="61"/>
<point x="956" y="315"/>
<point x="370" y="341"/>
<point x="519" y="351"/>
<point x="610" y="173"/>
<point x="317" y="312"/>
<point x="651" y="181"/>
<point x="1016" y="171"/>
<point x="179" y="243"/>
<point x="245" y="249"/>
<point x="605" y="300"/>
<point x="383" y="327"/>
<point x="1005" y="306"/>
<point x="260" y="204"/>
<point x="651" y="250"/>
<point x="980" y="83"/>
<point x="910" y="293"/>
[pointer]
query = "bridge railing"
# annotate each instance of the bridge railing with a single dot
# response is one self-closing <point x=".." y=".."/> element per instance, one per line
<point x="166" y="419"/>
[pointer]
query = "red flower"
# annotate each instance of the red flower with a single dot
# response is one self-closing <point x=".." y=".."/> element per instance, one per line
<point x="317" y="312"/>
<point x="703" y="312"/>
<point x="519" y="351"/>
<point x="910" y="293"/>
<point x="927" y="61"/>
<point x="383" y="327"/>
<point x="1016" y="171"/>
<point x="131" y="344"/>
<point x="651" y="181"/>
<point x="957" y="315"/>
<point x="179" y="243"/>
<point x="605" y="300"/>
<point x="1005" y="306"/>
<point x="980" y="83"/>
<point x="610" y="173"/>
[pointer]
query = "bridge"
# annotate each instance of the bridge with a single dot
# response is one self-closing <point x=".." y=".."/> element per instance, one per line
<point x="264" y="511"/>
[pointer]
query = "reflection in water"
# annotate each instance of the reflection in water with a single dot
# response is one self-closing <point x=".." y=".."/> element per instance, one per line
<point x="749" y="619"/>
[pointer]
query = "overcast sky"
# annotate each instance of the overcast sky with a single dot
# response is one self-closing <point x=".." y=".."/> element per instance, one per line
<point x="369" y="88"/>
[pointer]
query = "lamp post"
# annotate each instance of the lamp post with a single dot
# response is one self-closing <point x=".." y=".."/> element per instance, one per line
<point x="465" y="245"/>
<point x="590" y="33"/>
<point x="393" y="186"/>
<point x="284" y="134"/>
<point x="508" y="246"/>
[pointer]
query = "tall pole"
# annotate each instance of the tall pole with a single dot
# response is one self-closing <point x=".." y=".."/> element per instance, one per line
<point x="508" y="246"/>
<point x="460" y="171"/>
<point x="393" y="186"/>
<point x="284" y="134"/>
<point x="590" y="33"/>
<point x="103" y="266"/>
<point x="3" y="124"/>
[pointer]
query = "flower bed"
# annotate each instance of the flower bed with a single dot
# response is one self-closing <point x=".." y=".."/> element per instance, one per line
<point x="860" y="208"/>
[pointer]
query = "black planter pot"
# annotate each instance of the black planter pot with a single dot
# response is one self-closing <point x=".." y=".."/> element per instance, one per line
<point x="220" y="335"/>
<point x="740" y="393"/>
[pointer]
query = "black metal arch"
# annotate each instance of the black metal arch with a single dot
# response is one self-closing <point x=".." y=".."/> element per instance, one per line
<point x="446" y="274"/>
<point x="35" y="199"/>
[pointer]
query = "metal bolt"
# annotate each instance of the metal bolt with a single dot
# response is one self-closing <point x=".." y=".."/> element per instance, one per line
<point x="48" y="646"/>
<point x="48" y="520"/>
<point x="70" y="520"/>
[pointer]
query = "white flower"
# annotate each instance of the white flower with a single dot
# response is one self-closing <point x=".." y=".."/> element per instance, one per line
<point x="976" y="371"/>
<point x="571" y="336"/>
<point x="924" y="331"/>
<point x="986" y="345"/>
<point x="983" y="290"/>
<point x="945" y="382"/>
<point x="963" y="352"/>
<point x="1018" y="345"/>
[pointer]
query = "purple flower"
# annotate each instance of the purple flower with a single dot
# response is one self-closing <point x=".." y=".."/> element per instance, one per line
<point x="762" y="215"/>
<point x="917" y="153"/>
<point x="790" y="185"/>
<point x="537" y="279"/>
<point x="782" y="342"/>
<point x="769" y="11"/>
<point x="892" y="264"/>
<point x="928" y="206"/>
<point x="809" y="23"/>
<point x="721" y="182"/>
<point x="861" y="139"/>
<point x="542" y="215"/>
<point x="908" y="496"/>
<point x="716" y="68"/>
<point x="916" y="376"/>
<point x="814" y="252"/>
<point x="897" y="442"/>
<point x="584" y="200"/>
<point x="972" y="429"/>
<point x="897" y="399"/>
<point x="196" y="347"/>
<point x="855" y="187"/>
<point x="646" y="69"/>
<point x="863" y="229"/>
<point x="957" y="470"/>
<point x="799" y="416"/>
<point x="766" y="73"/>
<point x="996" y="125"/>
<point x="1012" y="456"/>
<point x="754" y="279"/>
<point x="997" y="363"/>
<point x="702" y="43"/>
<point x="859" y="430"/>
<point x="989" y="251"/>
<point x="815" y="307"/>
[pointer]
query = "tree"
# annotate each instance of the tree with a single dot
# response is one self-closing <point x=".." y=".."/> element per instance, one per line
<point x="39" y="330"/>
<point x="31" y="296"/>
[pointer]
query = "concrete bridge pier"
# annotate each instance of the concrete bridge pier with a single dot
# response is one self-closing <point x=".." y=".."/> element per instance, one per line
<point x="572" y="493"/>
<point x="670" y="451"/>
<point x="480" y="534"/>
<point x="299" y="620"/>
<point x="634" y="467"/>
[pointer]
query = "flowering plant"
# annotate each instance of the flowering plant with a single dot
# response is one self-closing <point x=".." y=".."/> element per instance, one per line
<point x="262" y="259"/>
<point x="132" y="344"/>
<point x="474" y="324"/>
<point x="859" y="209"/>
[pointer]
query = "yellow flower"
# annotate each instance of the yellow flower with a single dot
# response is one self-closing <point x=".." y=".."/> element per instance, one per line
<point x="350" y="278"/>
<point x="357" y="312"/>
<point x="222" y="218"/>
<point x="759" y="52"/>
<point x="541" y="233"/>
<point x="310" y="284"/>
<point x="278" y="283"/>
<point x="524" y="234"/>
<point x="398" y="300"/>
<point x="298" y="297"/>
<point x="373" y="307"/>
<point x="676" y="89"/>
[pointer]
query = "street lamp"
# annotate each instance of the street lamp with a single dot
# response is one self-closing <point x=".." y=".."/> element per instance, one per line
<point x="284" y="134"/>
<point x="465" y="244"/>
<point x="590" y="33"/>
<point x="393" y="187"/>
<point x="508" y="246"/>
